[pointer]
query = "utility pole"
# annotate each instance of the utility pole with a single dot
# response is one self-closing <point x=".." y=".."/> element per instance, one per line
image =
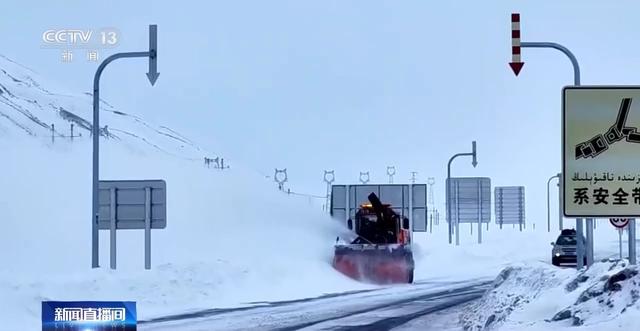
<point x="280" y="177"/>
<point x="329" y="178"/>
<point x="364" y="177"/>
<point x="391" y="171"/>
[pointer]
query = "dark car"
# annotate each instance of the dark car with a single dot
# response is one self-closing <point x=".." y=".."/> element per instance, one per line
<point x="564" y="248"/>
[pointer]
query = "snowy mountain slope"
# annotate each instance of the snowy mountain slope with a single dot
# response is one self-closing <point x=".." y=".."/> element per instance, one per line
<point x="231" y="237"/>
<point x="29" y="104"/>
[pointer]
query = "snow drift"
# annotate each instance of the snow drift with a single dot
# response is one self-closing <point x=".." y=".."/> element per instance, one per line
<point x="231" y="237"/>
<point x="543" y="297"/>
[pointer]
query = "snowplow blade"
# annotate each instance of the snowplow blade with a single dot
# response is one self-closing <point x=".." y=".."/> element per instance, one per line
<point x="379" y="264"/>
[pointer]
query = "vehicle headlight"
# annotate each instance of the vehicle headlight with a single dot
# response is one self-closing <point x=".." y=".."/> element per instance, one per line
<point x="557" y="254"/>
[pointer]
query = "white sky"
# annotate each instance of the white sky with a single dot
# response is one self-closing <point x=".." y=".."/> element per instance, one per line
<point x="350" y="86"/>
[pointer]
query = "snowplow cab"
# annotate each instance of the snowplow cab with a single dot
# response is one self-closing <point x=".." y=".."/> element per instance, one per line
<point x="380" y="224"/>
<point x="381" y="253"/>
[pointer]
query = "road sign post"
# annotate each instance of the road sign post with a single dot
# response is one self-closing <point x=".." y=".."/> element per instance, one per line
<point x="510" y="205"/>
<point x="549" y="203"/>
<point x="579" y="244"/>
<point x="479" y="212"/>
<point x="589" y="239"/>
<point x="560" y="204"/>
<point x="630" y="224"/>
<point x="474" y="162"/>
<point x="516" y="65"/>
<point x="632" y="241"/>
<point x="499" y="207"/>
<point x="620" y="231"/>
<point x="471" y="201"/>
<point x="132" y="204"/>
<point x="431" y="223"/>
<point x="152" y="75"/>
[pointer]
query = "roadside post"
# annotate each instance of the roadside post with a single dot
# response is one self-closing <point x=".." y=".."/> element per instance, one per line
<point x="510" y="205"/>
<point x="590" y="247"/>
<point x="516" y="65"/>
<point x="152" y="75"/>
<point x="132" y="204"/>
<point x="549" y="205"/>
<point x="632" y="241"/>
<point x="470" y="201"/>
<point x="620" y="241"/>
<point x="280" y="176"/>
<point x="620" y="224"/>
<point x="449" y="189"/>
<point x="329" y="177"/>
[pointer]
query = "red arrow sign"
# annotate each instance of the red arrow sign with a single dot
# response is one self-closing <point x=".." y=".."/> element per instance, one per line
<point x="516" y="62"/>
<point x="619" y="222"/>
<point x="516" y="67"/>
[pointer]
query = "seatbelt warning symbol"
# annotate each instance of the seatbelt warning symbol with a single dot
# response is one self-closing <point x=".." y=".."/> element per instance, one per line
<point x="601" y="142"/>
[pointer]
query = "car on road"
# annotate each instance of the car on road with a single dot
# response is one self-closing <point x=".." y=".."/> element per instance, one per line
<point x="564" y="248"/>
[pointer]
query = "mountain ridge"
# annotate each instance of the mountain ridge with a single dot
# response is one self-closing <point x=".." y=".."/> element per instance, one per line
<point x="29" y="106"/>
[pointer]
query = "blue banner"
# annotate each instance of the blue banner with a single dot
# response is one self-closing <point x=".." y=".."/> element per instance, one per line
<point x="89" y="315"/>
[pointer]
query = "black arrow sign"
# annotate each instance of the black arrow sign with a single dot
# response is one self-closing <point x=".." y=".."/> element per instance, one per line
<point x="153" y="73"/>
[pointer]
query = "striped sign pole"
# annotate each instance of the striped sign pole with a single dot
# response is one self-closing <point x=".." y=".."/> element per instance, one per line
<point x="516" y="65"/>
<point x="516" y="61"/>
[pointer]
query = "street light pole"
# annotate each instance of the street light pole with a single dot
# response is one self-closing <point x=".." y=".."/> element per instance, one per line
<point x="474" y="163"/>
<point x="549" y="204"/>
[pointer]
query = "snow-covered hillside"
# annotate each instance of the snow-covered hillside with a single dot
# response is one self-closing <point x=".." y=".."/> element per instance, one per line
<point x="31" y="104"/>
<point x="231" y="236"/>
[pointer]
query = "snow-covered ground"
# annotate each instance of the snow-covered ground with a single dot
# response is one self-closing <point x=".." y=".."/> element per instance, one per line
<point x="231" y="237"/>
<point x="500" y="248"/>
<point x="535" y="290"/>
<point x="541" y="297"/>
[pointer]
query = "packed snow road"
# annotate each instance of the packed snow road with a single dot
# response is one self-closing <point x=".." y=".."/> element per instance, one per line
<point x="389" y="308"/>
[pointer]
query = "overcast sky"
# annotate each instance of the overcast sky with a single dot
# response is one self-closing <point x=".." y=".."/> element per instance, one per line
<point x="348" y="85"/>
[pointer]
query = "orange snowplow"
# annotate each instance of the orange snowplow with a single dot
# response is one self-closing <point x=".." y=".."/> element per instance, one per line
<point x="381" y="253"/>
